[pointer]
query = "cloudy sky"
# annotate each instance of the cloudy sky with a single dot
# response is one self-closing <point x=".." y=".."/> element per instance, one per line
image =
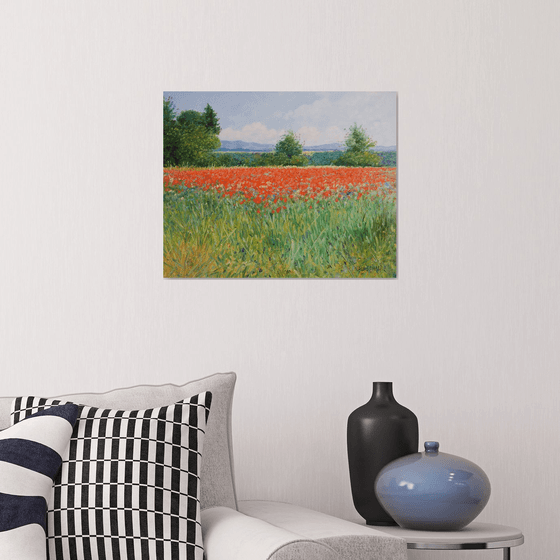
<point x="317" y="117"/>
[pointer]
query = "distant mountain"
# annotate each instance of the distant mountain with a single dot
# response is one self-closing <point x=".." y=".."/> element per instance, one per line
<point x="241" y="146"/>
<point x="333" y="147"/>
<point x="385" y="149"/>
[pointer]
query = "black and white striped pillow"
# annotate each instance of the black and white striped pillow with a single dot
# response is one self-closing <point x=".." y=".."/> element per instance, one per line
<point x="129" y="485"/>
<point x="30" y="457"/>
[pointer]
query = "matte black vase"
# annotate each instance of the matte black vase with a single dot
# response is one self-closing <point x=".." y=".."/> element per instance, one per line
<point x="378" y="432"/>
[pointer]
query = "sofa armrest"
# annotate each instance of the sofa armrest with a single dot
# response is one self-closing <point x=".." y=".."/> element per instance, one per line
<point x="231" y="535"/>
<point x="350" y="541"/>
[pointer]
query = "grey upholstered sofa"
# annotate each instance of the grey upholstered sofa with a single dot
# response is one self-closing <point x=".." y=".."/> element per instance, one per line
<point x="235" y="529"/>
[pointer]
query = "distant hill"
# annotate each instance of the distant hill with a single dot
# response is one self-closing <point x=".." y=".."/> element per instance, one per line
<point x="385" y="149"/>
<point x="241" y="146"/>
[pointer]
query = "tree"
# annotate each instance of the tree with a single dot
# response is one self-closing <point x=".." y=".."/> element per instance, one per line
<point x="189" y="138"/>
<point x="211" y="120"/>
<point x="189" y="117"/>
<point x="171" y="134"/>
<point x="357" y="140"/>
<point x="168" y="112"/>
<point x="358" y="149"/>
<point x="196" y="146"/>
<point x="289" y="145"/>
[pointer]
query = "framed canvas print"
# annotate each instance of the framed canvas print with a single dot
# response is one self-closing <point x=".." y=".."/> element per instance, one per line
<point x="280" y="184"/>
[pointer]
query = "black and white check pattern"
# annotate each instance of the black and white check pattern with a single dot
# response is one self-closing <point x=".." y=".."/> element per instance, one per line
<point x="129" y="487"/>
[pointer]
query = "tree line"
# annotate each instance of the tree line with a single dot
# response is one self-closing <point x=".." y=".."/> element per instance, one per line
<point x="190" y="138"/>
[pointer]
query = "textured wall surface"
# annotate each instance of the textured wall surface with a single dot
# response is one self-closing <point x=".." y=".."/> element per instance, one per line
<point x="468" y="332"/>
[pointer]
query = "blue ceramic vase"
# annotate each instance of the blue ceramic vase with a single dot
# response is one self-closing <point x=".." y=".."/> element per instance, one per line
<point x="432" y="491"/>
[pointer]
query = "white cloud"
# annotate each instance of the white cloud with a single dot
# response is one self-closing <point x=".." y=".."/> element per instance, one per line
<point x="313" y="112"/>
<point x="326" y="120"/>
<point x="334" y="134"/>
<point x="254" y="132"/>
<point x="313" y="136"/>
<point x="334" y="113"/>
<point x="309" y="134"/>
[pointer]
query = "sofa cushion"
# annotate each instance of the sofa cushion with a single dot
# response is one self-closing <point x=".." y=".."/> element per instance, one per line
<point x="351" y="541"/>
<point x="30" y="457"/>
<point x="129" y="484"/>
<point x="231" y="535"/>
<point x="217" y="479"/>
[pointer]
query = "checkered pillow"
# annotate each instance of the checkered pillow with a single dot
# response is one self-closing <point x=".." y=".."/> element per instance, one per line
<point x="129" y="484"/>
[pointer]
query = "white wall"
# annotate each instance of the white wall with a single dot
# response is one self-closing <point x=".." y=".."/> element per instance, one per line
<point x="468" y="332"/>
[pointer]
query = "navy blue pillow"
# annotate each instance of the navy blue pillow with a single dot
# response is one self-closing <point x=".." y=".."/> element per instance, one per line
<point x="31" y="454"/>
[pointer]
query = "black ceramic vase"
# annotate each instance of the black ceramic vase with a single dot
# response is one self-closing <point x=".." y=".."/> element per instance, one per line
<point x="378" y="432"/>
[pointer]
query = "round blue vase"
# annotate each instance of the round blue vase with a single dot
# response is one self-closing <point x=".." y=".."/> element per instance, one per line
<point x="432" y="491"/>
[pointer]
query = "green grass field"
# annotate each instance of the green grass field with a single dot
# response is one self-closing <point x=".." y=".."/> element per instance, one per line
<point x="207" y="235"/>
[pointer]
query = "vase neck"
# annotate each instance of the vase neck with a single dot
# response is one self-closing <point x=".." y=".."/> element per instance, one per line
<point x="382" y="391"/>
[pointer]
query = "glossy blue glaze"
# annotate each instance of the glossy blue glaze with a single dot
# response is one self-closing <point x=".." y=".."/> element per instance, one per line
<point x="432" y="491"/>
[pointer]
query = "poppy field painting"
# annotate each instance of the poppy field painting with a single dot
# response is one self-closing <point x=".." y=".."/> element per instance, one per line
<point x="280" y="184"/>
